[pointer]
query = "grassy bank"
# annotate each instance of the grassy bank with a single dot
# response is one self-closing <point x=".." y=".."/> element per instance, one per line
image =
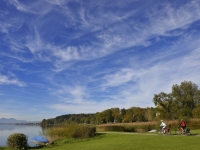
<point x="129" y="141"/>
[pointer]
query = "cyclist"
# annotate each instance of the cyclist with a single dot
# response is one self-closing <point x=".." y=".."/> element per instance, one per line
<point x="163" y="126"/>
<point x="182" y="125"/>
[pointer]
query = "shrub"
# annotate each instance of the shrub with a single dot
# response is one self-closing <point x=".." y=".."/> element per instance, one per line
<point x="79" y="131"/>
<point x="17" y="141"/>
<point x="113" y="128"/>
<point x="127" y="127"/>
<point x="72" y="130"/>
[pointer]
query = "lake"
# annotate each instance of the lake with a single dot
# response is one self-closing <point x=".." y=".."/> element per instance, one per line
<point x="28" y="130"/>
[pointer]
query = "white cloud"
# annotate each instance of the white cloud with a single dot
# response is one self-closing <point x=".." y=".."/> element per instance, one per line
<point x="71" y="94"/>
<point x="170" y="18"/>
<point x="19" y="5"/>
<point x="120" y="77"/>
<point x="161" y="76"/>
<point x="4" y="26"/>
<point x="68" y="54"/>
<point x="32" y="7"/>
<point x="85" y="107"/>
<point x="35" y="44"/>
<point x="5" y="80"/>
<point x="8" y="24"/>
<point x="57" y="2"/>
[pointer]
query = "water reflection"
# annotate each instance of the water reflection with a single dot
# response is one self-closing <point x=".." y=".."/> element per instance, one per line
<point x="7" y="127"/>
<point x="29" y="131"/>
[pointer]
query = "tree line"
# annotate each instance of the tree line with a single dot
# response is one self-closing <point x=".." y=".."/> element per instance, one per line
<point x="182" y="102"/>
<point x="112" y="115"/>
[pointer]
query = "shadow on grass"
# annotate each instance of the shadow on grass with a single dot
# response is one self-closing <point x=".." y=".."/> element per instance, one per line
<point x="100" y="134"/>
<point x="194" y="134"/>
<point x="36" y="147"/>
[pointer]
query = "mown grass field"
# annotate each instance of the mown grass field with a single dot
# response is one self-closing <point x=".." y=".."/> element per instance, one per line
<point x="130" y="141"/>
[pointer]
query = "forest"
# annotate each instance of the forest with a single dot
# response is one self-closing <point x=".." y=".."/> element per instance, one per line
<point x="182" y="102"/>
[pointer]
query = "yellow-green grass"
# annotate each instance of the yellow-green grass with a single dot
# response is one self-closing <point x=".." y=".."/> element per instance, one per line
<point x="128" y="141"/>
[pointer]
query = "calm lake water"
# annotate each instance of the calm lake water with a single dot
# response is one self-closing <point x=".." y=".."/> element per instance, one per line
<point x="29" y="131"/>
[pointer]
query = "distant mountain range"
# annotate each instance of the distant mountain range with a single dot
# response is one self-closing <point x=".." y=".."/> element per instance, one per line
<point x="14" y="121"/>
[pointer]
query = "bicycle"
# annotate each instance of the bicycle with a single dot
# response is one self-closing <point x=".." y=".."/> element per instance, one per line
<point x="186" y="131"/>
<point x="167" y="131"/>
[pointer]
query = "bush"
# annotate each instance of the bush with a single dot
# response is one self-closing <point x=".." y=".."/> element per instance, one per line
<point x="72" y="130"/>
<point x="117" y="128"/>
<point x="17" y="141"/>
<point x="127" y="127"/>
<point x="80" y="131"/>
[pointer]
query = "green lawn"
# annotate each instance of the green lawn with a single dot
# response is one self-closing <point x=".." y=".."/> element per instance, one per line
<point x="117" y="141"/>
<point x="129" y="141"/>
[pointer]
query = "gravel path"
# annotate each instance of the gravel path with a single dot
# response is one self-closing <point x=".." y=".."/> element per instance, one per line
<point x="155" y="134"/>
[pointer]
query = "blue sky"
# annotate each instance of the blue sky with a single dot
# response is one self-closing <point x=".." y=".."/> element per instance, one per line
<point x="84" y="56"/>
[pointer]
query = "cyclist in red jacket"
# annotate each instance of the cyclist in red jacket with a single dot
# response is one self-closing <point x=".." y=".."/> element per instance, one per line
<point x="182" y="125"/>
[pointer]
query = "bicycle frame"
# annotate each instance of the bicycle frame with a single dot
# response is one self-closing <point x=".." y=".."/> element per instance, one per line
<point x="165" y="131"/>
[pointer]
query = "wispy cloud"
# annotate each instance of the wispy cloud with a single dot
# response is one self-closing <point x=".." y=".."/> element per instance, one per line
<point x="171" y="18"/>
<point x="19" y="5"/>
<point x="57" y="2"/>
<point x="86" y="106"/>
<point x="119" y="36"/>
<point x="34" y="43"/>
<point x="31" y="7"/>
<point x="7" y="80"/>
<point x="71" y="94"/>
<point x="120" y="77"/>
<point x="135" y="33"/>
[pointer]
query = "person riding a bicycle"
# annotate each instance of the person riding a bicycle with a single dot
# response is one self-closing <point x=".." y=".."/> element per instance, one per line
<point x="162" y="126"/>
<point x="182" y="125"/>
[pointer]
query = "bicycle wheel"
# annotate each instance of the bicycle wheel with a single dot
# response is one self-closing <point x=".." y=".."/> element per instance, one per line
<point x="188" y="132"/>
<point x="178" y="132"/>
<point x="168" y="133"/>
<point x="159" y="132"/>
